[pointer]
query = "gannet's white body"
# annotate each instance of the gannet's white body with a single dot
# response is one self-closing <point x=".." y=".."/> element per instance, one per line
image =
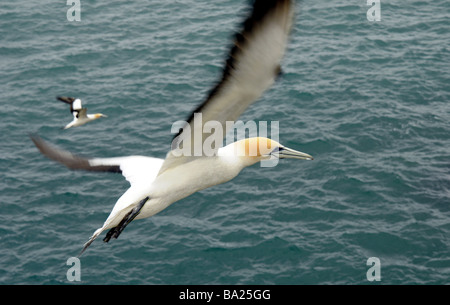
<point x="252" y="67"/>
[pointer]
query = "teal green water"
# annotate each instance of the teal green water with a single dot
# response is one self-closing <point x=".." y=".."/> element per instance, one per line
<point x="369" y="100"/>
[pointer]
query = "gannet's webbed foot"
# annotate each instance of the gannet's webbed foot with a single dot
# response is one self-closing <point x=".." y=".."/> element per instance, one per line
<point x="115" y="232"/>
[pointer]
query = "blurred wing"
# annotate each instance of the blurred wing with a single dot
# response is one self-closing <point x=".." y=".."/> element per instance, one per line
<point x="252" y="66"/>
<point x="82" y="113"/>
<point x="67" y="100"/>
<point x="135" y="169"/>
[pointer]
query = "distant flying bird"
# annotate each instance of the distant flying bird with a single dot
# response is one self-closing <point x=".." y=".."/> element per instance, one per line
<point x="80" y="117"/>
<point x="252" y="67"/>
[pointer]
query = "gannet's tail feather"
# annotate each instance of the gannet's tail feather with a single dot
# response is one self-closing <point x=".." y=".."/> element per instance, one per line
<point x="89" y="242"/>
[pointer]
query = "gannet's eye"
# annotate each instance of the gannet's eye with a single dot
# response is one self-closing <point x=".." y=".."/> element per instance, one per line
<point x="277" y="149"/>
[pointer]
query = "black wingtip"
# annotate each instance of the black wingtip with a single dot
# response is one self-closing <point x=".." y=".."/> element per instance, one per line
<point x="86" y="245"/>
<point x="35" y="138"/>
<point x="65" y="99"/>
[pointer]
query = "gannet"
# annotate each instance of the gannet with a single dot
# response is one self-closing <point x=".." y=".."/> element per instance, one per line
<point x="251" y="68"/>
<point x="80" y="117"/>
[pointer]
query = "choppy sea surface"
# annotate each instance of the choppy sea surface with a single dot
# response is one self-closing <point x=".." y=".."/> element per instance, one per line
<point x="368" y="99"/>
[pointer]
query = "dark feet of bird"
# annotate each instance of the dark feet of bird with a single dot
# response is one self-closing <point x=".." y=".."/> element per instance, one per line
<point x="115" y="232"/>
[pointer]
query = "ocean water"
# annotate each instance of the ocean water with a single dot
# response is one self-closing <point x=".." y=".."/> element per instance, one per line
<point x="368" y="99"/>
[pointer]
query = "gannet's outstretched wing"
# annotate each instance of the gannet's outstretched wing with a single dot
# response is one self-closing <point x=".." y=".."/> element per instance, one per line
<point x="80" y="114"/>
<point x="75" y="104"/>
<point x="252" y="66"/>
<point x="133" y="168"/>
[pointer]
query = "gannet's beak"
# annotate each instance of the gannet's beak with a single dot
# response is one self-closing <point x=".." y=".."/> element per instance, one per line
<point x="285" y="153"/>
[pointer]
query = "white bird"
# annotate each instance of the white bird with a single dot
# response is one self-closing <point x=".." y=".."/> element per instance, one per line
<point x="252" y="67"/>
<point x="80" y="117"/>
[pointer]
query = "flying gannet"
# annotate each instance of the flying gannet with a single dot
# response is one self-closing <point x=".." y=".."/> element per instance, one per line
<point x="80" y="117"/>
<point x="251" y="68"/>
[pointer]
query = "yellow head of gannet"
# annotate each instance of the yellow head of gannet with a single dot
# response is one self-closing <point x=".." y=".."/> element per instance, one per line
<point x="253" y="150"/>
<point x="96" y="116"/>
